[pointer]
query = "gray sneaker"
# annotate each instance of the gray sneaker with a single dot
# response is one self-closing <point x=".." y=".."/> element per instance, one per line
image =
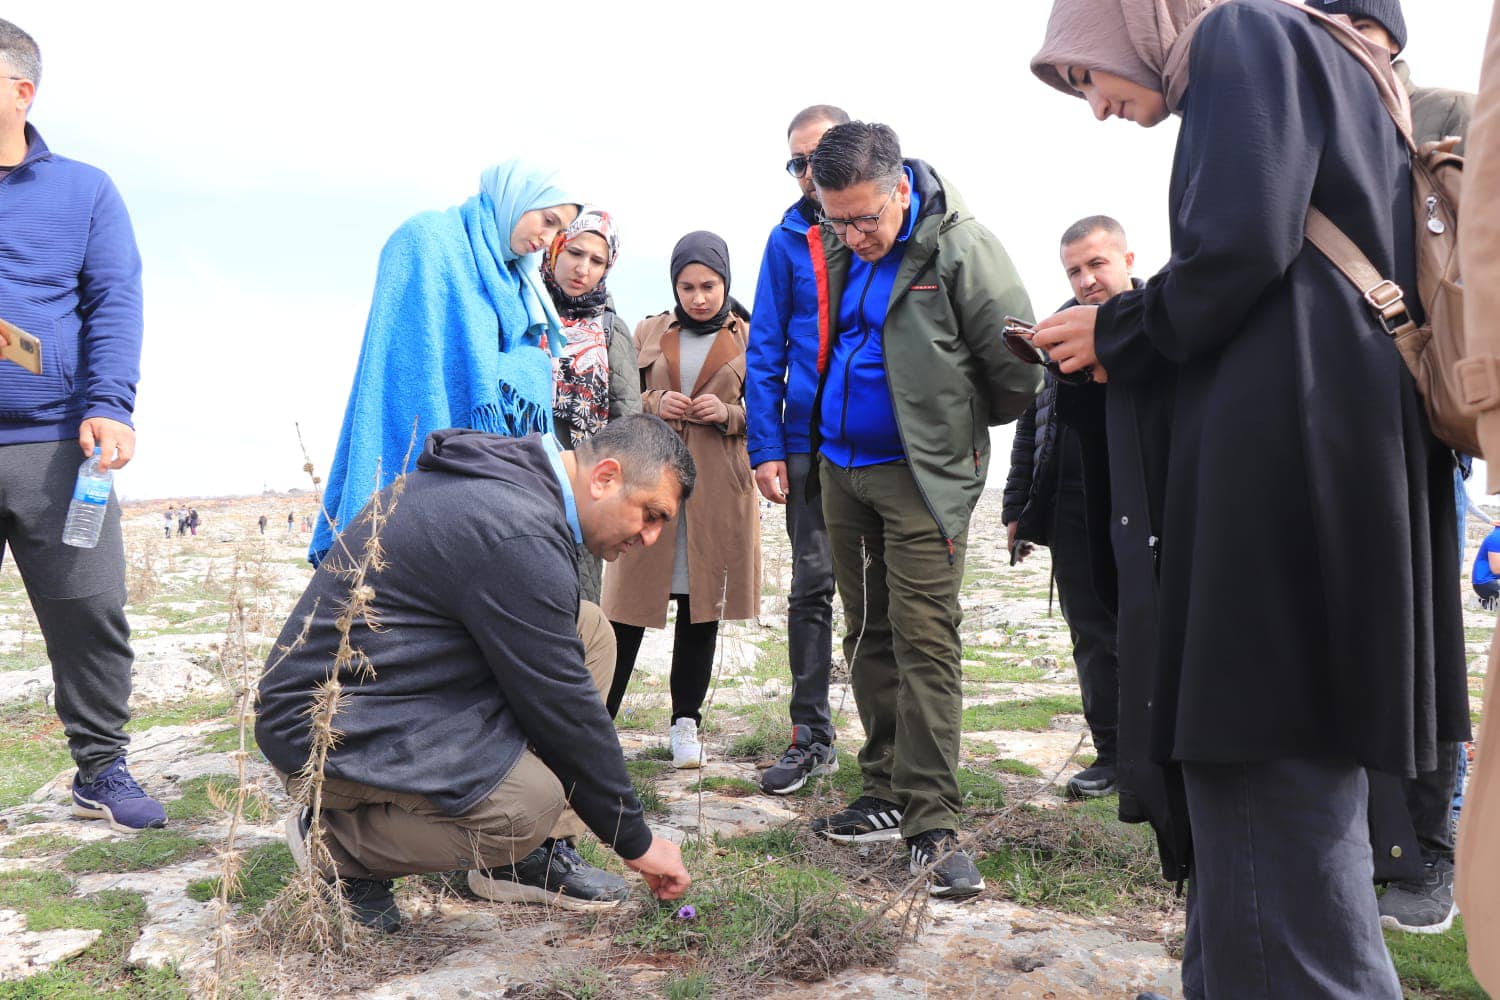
<point x="803" y="759"/>
<point x="1423" y="906"/>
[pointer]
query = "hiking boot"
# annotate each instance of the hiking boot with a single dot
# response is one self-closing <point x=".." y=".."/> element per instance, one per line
<point x="1422" y="906"/>
<point x="803" y="759"/>
<point x="114" y="797"/>
<point x="1093" y="782"/>
<point x="554" y="873"/>
<point x="372" y="903"/>
<point x="687" y="751"/>
<point x="866" y="820"/>
<point x="951" y="873"/>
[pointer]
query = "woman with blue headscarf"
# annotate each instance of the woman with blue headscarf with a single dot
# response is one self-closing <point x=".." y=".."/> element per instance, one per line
<point x="453" y="336"/>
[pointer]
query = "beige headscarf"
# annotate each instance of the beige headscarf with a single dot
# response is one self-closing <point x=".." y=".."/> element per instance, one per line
<point x="1144" y="41"/>
<point x="1147" y="42"/>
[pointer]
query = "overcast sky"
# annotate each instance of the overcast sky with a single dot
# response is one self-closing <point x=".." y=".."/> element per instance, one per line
<point x="266" y="151"/>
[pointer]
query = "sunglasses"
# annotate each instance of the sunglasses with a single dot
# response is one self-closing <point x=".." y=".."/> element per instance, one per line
<point x="797" y="165"/>
<point x="1017" y="337"/>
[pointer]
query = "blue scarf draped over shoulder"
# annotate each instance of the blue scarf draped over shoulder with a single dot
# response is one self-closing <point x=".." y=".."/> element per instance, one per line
<point x="451" y="341"/>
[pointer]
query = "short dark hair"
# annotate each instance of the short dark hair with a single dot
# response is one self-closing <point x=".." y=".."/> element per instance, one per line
<point x="645" y="446"/>
<point x="854" y="152"/>
<point x="1084" y="228"/>
<point x="817" y="113"/>
<point x="19" y="50"/>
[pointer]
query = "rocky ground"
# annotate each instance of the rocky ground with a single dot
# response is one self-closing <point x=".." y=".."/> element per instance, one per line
<point x="1074" y="906"/>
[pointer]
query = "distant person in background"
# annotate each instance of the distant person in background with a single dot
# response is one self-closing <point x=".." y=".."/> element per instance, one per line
<point x="1486" y="575"/>
<point x="1477" y="864"/>
<point x="182" y="522"/>
<point x="692" y="369"/>
<point x="1057" y="495"/>
<point x="453" y="335"/>
<point x="263" y="521"/>
<point x="168" y="516"/>
<point x="192" y="522"/>
<point x="596" y="376"/>
<point x="780" y="383"/>
<point x="70" y="275"/>
<point x="291" y="522"/>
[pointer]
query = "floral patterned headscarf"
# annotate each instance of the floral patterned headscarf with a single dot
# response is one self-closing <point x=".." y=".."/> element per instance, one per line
<point x="591" y="303"/>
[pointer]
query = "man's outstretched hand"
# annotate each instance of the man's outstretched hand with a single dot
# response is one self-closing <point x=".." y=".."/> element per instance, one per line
<point x="661" y="867"/>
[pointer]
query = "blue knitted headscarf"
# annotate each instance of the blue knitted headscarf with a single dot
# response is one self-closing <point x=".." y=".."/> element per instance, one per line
<point x="451" y="340"/>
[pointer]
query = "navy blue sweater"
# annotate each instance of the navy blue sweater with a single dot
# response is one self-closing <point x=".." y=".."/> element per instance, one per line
<point x="70" y="275"/>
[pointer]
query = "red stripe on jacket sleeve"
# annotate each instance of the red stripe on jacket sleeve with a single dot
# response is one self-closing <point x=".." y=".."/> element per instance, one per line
<point x="820" y="276"/>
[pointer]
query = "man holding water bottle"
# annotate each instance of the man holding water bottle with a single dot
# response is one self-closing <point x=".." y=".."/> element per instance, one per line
<point x="70" y="277"/>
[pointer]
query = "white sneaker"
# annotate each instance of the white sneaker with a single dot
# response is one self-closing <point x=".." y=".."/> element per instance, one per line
<point x="686" y="750"/>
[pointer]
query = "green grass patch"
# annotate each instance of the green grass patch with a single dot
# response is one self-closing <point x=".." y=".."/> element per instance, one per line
<point x="228" y="740"/>
<point x="181" y="713"/>
<point x="26" y="819"/>
<point x="263" y="871"/>
<point x="657" y="751"/>
<point x="733" y="787"/>
<point x="639" y="715"/>
<point x="39" y="845"/>
<point x="197" y="802"/>
<point x="980" y="790"/>
<point x="766" y="739"/>
<point x="691" y="986"/>
<point x="1081" y="859"/>
<point x="1434" y="966"/>
<point x="643" y="779"/>
<point x="45" y="900"/>
<point x="32" y="751"/>
<point x="1012" y="766"/>
<point x="1033" y="715"/>
<point x="33" y="657"/>
<point x="1475" y="635"/>
<point x="1012" y="672"/>
<point x="144" y="851"/>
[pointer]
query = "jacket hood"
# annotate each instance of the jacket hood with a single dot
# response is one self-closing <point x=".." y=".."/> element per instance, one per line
<point x="801" y="216"/>
<point x="461" y="451"/>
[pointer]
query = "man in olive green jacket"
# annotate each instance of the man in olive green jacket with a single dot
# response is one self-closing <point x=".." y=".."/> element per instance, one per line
<point x="913" y="293"/>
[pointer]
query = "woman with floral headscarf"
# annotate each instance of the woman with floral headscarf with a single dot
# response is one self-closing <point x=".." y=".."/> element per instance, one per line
<point x="453" y="335"/>
<point x="595" y="374"/>
<point x="1251" y="390"/>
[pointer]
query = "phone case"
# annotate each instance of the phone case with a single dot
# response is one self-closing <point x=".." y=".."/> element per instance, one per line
<point x="24" y="349"/>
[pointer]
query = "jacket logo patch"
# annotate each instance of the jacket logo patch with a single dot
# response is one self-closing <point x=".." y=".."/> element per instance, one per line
<point x="924" y="288"/>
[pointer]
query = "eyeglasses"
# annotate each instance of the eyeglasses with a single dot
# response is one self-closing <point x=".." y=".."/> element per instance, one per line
<point x="863" y="223"/>
<point x="1017" y="336"/>
<point x="797" y="166"/>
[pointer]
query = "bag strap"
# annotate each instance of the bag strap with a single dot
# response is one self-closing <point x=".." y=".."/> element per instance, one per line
<point x="1383" y="295"/>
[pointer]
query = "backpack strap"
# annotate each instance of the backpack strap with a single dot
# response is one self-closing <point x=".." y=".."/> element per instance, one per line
<point x="1383" y="295"/>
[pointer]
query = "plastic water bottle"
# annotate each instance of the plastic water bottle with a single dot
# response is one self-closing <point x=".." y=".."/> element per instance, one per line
<point x="90" y="498"/>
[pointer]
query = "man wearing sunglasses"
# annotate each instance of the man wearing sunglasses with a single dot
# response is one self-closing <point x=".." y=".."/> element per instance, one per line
<point x="913" y="294"/>
<point x="781" y="377"/>
<point x="1057" y="495"/>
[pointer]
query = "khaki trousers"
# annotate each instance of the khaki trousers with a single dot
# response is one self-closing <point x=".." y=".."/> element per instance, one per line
<point x="374" y="833"/>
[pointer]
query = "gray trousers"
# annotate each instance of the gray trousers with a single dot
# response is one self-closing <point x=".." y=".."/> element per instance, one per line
<point x="78" y="596"/>
<point x="809" y="625"/>
<point x="1279" y="902"/>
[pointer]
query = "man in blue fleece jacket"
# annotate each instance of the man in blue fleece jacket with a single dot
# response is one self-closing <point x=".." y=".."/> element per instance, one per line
<point x="781" y="379"/>
<point x="71" y="276"/>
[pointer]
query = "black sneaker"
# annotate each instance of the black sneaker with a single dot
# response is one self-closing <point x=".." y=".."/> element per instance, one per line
<point x="1423" y="906"/>
<point x="370" y="899"/>
<point x="952" y="874"/>
<point x="866" y="820"/>
<point x="371" y="902"/>
<point x="803" y="759"/>
<point x="1093" y="782"/>
<point x="554" y="873"/>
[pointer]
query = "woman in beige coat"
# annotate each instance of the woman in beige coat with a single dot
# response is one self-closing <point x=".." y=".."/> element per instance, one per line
<point x="692" y="364"/>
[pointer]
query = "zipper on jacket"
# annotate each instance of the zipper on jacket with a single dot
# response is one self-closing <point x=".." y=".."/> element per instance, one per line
<point x="864" y="327"/>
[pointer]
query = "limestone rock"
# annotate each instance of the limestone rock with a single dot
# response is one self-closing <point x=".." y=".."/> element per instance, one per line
<point x="25" y="953"/>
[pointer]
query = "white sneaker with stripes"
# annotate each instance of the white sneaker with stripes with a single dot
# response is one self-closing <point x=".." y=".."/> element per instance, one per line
<point x="866" y="820"/>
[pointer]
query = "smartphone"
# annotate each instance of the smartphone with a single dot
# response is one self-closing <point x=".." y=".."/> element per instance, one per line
<point x="24" y="349"/>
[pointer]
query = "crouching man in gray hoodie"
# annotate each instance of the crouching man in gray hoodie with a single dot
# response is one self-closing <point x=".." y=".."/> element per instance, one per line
<point x="471" y="720"/>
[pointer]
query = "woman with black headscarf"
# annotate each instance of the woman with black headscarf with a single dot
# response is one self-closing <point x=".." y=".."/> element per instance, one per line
<point x="692" y="364"/>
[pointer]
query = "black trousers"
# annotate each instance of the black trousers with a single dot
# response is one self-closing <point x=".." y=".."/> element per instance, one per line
<point x="692" y="662"/>
<point x="1092" y="624"/>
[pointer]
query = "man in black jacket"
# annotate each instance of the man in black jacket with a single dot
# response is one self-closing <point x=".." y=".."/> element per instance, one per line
<point x="470" y="716"/>
<point x="1050" y="500"/>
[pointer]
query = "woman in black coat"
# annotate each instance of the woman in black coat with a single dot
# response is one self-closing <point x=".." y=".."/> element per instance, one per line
<point x="1279" y="497"/>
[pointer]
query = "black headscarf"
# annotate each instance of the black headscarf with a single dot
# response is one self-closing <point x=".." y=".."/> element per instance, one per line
<point x="702" y="247"/>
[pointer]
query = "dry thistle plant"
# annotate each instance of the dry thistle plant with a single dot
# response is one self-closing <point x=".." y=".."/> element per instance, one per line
<point x="311" y="912"/>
